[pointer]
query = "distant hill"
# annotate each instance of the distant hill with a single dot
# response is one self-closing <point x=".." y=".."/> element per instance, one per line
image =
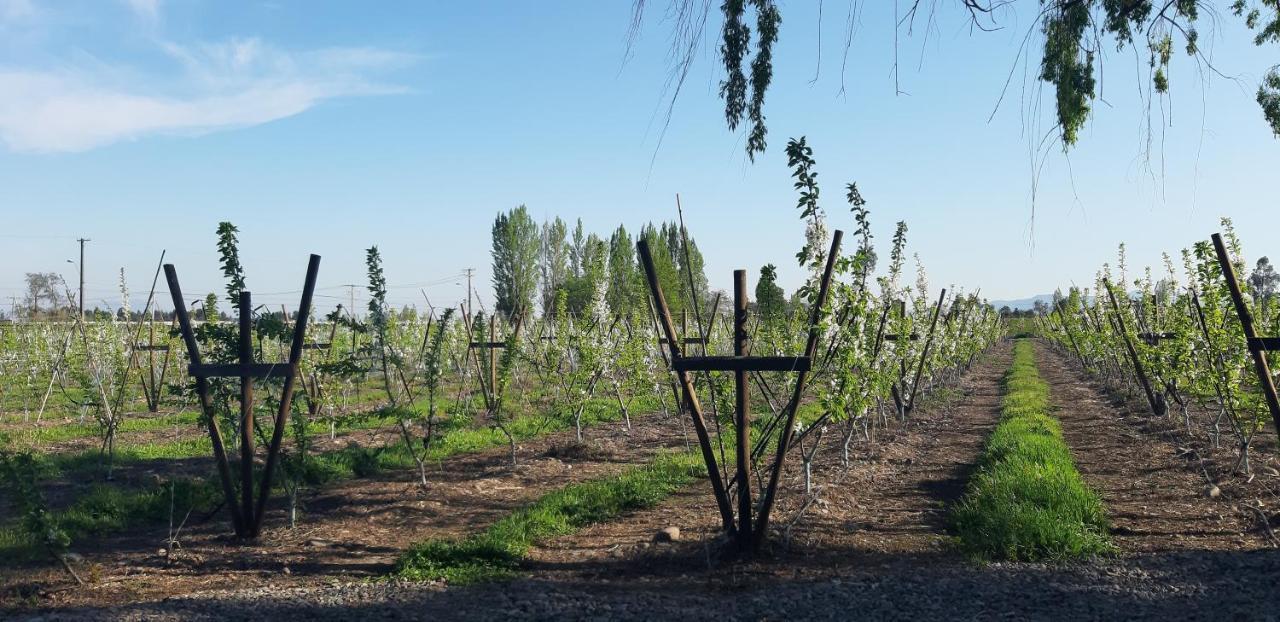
<point x="1023" y="303"/>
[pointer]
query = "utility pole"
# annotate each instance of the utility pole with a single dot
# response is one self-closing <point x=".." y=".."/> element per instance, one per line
<point x="351" y="310"/>
<point x="81" y="266"/>
<point x="469" y="272"/>
<point x="351" y="299"/>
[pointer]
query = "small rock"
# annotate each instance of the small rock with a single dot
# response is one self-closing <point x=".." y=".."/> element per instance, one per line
<point x="668" y="534"/>
<point x="318" y="543"/>
<point x="286" y="570"/>
<point x="1213" y="492"/>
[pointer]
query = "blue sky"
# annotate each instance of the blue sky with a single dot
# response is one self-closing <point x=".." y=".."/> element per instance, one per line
<point x="327" y="127"/>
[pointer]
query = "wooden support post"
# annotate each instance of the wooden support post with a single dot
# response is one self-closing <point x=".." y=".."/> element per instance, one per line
<point x="152" y="393"/>
<point x="1133" y="352"/>
<point x="1154" y="338"/>
<point x="663" y="314"/>
<point x="924" y="354"/>
<point x="206" y="402"/>
<point x="747" y="531"/>
<point x="150" y="380"/>
<point x="490" y="355"/>
<point x="811" y="347"/>
<point x="493" y="352"/>
<point x="743" y="405"/>
<point x="1257" y="345"/>
<point x="286" y="394"/>
<point x="247" y="514"/>
<point x="245" y="352"/>
<point x="880" y="336"/>
<point x="1057" y="307"/>
<point x="152" y="404"/>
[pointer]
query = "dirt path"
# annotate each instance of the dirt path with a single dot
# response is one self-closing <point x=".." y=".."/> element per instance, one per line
<point x="891" y="500"/>
<point x="1154" y="491"/>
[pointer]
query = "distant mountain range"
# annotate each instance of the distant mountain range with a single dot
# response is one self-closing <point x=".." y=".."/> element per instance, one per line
<point x="1023" y="303"/>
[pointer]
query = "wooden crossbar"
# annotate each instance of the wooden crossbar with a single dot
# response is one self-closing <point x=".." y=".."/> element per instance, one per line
<point x="145" y="347"/>
<point x="895" y="337"/>
<point x="741" y="363"/>
<point x="316" y="346"/>
<point x="687" y="341"/>
<point x="1156" y="338"/>
<point x="1264" y="344"/>
<point x="236" y="370"/>
<point x="488" y="344"/>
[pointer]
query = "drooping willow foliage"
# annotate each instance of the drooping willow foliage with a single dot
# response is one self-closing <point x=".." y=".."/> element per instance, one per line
<point x="1075" y="34"/>
<point x="734" y="46"/>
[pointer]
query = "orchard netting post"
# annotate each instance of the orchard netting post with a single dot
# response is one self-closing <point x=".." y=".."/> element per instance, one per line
<point x="1123" y="329"/>
<point x="1258" y="346"/>
<point x="489" y="361"/>
<point x="246" y="514"/>
<point x="924" y="354"/>
<point x="152" y="379"/>
<point x="747" y="530"/>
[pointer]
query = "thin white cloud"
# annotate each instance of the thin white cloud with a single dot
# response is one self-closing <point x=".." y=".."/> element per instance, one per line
<point x="16" y="10"/>
<point x="235" y="84"/>
<point x="148" y="10"/>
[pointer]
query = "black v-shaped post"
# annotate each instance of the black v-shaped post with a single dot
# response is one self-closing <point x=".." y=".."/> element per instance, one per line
<point x="746" y="530"/>
<point x="246" y="514"/>
<point x="1258" y="346"/>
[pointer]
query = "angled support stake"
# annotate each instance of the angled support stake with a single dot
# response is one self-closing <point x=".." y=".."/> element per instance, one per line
<point x="247" y="513"/>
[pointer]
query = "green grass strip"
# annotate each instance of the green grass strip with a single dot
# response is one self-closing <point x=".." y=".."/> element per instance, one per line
<point x="33" y="436"/>
<point x="496" y="552"/>
<point x="107" y="509"/>
<point x="1026" y="501"/>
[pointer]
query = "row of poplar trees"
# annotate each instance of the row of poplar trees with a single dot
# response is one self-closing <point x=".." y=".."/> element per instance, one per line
<point x="533" y="264"/>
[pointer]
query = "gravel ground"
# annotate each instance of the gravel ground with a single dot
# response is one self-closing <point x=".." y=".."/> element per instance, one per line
<point x="1175" y="586"/>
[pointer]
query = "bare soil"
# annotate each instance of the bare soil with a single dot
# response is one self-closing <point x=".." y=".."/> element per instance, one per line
<point x="876" y="546"/>
<point x="1157" y="495"/>
<point x="352" y="530"/>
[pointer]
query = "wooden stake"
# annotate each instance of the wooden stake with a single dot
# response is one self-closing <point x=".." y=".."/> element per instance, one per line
<point x="246" y="403"/>
<point x="924" y="354"/>
<point x="206" y="402"/>
<point x="785" y="435"/>
<point x="1133" y="352"/>
<point x="1256" y="347"/>
<point x="743" y="405"/>
<point x="686" y="385"/>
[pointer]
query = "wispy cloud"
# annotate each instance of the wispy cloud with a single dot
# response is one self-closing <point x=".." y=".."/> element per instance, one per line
<point x="13" y="10"/>
<point x="148" y="10"/>
<point x="234" y="84"/>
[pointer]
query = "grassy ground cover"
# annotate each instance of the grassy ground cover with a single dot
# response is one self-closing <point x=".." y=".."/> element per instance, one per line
<point x="107" y="508"/>
<point x="496" y="552"/>
<point x="1026" y="500"/>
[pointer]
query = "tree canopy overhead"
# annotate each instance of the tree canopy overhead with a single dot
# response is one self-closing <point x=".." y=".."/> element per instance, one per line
<point x="1074" y="33"/>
